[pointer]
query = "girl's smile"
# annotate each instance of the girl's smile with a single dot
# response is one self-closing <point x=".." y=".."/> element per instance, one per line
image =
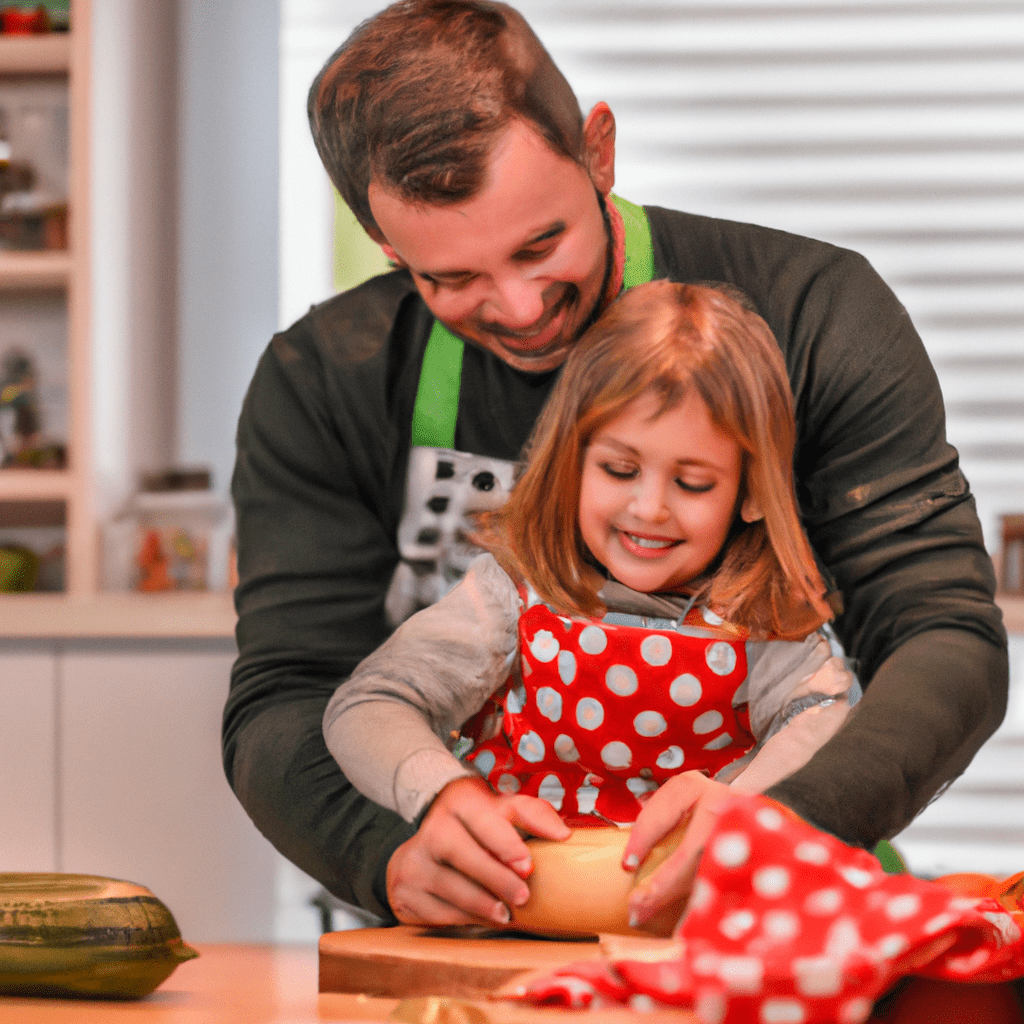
<point x="658" y="494"/>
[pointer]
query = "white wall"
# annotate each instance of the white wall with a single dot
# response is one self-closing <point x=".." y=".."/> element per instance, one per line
<point x="227" y="223"/>
<point x="185" y="193"/>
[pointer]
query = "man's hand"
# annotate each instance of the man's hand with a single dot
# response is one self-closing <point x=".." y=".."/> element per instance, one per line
<point x="693" y="796"/>
<point x="467" y="862"/>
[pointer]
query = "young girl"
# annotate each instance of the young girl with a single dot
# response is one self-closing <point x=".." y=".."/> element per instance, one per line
<point x="649" y="607"/>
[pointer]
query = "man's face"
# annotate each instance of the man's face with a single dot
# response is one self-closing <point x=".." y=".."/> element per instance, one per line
<point x="518" y="269"/>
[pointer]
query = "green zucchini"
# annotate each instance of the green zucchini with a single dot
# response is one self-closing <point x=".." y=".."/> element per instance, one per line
<point x="85" y="936"/>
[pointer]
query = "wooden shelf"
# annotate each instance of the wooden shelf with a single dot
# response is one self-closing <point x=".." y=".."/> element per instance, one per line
<point x="48" y="269"/>
<point x="34" y="484"/>
<point x="48" y="54"/>
<point x="98" y="616"/>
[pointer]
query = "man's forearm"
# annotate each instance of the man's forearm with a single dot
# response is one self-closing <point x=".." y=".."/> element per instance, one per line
<point x="928" y="709"/>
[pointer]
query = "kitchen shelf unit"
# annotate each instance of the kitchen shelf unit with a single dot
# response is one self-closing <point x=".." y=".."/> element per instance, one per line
<point x="65" y="496"/>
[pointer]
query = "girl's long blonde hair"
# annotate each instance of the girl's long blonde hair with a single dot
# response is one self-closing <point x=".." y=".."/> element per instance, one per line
<point x="665" y="338"/>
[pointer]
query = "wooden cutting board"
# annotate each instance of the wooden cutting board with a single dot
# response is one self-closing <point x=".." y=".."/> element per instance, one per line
<point x="406" y="961"/>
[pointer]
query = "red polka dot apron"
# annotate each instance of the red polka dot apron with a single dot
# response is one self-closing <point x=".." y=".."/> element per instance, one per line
<point x="605" y="713"/>
<point x="787" y="925"/>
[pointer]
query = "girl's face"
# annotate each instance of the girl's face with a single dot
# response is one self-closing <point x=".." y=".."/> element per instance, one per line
<point x="658" y="496"/>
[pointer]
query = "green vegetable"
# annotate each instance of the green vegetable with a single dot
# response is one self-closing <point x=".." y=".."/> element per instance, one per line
<point x="84" y="936"/>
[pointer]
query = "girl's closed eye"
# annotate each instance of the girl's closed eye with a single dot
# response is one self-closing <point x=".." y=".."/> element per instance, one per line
<point x="694" y="487"/>
<point x="619" y="470"/>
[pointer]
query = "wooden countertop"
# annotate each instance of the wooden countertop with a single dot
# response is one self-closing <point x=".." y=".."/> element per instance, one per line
<point x="226" y="984"/>
<point x="237" y="984"/>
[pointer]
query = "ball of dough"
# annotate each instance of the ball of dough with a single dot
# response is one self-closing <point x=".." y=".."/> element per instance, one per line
<point x="578" y="885"/>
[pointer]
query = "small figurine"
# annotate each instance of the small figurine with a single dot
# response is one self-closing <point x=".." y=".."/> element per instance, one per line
<point x="18" y="392"/>
<point x="153" y="564"/>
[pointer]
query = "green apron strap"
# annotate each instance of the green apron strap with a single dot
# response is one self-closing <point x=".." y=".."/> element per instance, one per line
<point x="437" y="398"/>
<point x="639" y="251"/>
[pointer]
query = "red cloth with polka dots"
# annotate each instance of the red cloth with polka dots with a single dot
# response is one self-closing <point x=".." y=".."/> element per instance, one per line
<point x="787" y="925"/>
<point x="605" y="713"/>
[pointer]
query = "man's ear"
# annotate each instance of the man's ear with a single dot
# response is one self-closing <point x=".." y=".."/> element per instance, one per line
<point x="390" y="253"/>
<point x="599" y="147"/>
<point x="377" y="235"/>
<point x="750" y="510"/>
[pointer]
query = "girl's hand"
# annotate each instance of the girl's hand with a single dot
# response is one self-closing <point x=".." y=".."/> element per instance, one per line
<point x="467" y="861"/>
<point x="691" y="800"/>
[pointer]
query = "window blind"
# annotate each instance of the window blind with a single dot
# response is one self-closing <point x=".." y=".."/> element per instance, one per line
<point x="893" y="128"/>
<point x="896" y="129"/>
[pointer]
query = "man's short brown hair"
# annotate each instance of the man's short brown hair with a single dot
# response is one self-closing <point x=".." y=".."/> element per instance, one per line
<point x="417" y="95"/>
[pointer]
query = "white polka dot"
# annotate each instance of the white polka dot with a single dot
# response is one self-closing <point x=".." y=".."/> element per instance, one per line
<point x="484" y="762"/>
<point x="711" y="1008"/>
<point x="710" y="617"/>
<point x="640" y="1002"/>
<point x="964" y="902"/>
<point x="639" y="787"/>
<point x="811" y="853"/>
<point x="586" y="798"/>
<point x="823" y="902"/>
<point x="856" y="1011"/>
<point x="781" y="925"/>
<point x="685" y="690"/>
<point x="589" y="713"/>
<point x="843" y="938"/>
<point x="899" y="908"/>
<point x="593" y="640"/>
<point x="706" y="964"/>
<point x="970" y="963"/>
<point x="656" y="650"/>
<point x="731" y="849"/>
<point x="650" y="723"/>
<point x="721" y="658"/>
<point x="669" y="979"/>
<point x="508" y="783"/>
<point x="719" y="742"/>
<point x="818" y="976"/>
<point x="616" y="754"/>
<point x="771" y="882"/>
<point x="549" y="703"/>
<point x="515" y="699"/>
<point x="566" y="666"/>
<point x="769" y="818"/>
<point x="701" y="895"/>
<point x="552" y="790"/>
<point x="708" y="722"/>
<point x="565" y="748"/>
<point x="531" y="747"/>
<point x="1006" y="926"/>
<point x="742" y="973"/>
<point x="671" y="758"/>
<point x="544" y="646"/>
<point x="783" y="1010"/>
<point x="857" y="877"/>
<point x="735" y="925"/>
<point x="938" y="923"/>
<point x="621" y="679"/>
<point x="892" y="945"/>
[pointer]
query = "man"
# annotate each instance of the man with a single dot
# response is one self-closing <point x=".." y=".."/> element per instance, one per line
<point x="462" y="151"/>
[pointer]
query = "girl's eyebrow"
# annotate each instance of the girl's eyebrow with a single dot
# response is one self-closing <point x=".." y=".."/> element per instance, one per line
<point x="614" y="442"/>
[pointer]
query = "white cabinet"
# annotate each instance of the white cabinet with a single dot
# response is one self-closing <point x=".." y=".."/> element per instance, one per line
<point x="110" y="764"/>
<point x="28" y="760"/>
